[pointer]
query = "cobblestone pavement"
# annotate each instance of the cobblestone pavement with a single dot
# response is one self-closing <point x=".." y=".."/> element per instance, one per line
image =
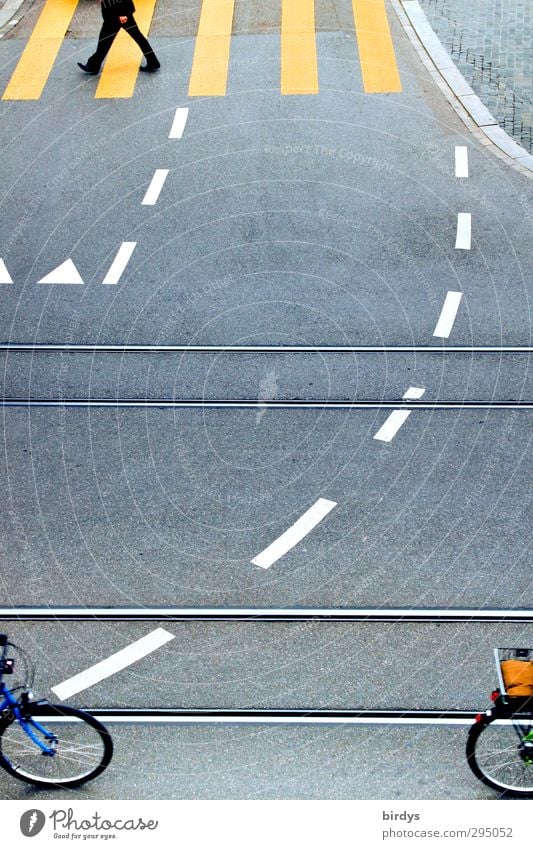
<point x="491" y="43"/>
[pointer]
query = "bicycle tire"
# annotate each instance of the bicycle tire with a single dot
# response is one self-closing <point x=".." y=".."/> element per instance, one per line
<point x="504" y="776"/>
<point x="91" y="758"/>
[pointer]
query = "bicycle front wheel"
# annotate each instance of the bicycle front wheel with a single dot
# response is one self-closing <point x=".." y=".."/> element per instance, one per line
<point x="78" y="746"/>
<point x="497" y="755"/>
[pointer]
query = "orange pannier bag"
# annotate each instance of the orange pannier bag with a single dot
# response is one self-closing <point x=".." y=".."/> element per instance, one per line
<point x="518" y="677"/>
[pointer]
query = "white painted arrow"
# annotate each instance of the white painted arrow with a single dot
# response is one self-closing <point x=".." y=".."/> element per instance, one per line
<point x="64" y="274"/>
<point x="4" y="274"/>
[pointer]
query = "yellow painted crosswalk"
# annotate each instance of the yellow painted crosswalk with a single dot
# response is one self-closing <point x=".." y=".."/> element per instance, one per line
<point x="210" y="65"/>
<point x="119" y="73"/>
<point x="299" y="67"/>
<point x="376" y="50"/>
<point x="211" y="61"/>
<point x="30" y="76"/>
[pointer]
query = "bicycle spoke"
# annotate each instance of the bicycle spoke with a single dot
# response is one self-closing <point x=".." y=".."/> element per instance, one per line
<point x="498" y="756"/>
<point x="78" y="751"/>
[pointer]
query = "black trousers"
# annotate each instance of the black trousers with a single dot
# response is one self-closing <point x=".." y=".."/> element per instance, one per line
<point x="110" y="28"/>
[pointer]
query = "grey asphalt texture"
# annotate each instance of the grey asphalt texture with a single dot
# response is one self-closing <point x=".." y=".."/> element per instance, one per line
<point x="278" y="762"/>
<point x="169" y="507"/>
<point x="277" y="666"/>
<point x="323" y="220"/>
<point x="323" y="376"/>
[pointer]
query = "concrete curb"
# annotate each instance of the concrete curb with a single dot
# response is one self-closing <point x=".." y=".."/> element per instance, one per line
<point x="7" y="15"/>
<point x="460" y="95"/>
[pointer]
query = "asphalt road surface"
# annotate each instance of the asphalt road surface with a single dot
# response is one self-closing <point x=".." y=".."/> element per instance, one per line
<point x="317" y="220"/>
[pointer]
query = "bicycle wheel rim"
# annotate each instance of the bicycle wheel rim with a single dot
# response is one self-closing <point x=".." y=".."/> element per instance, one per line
<point x="82" y="748"/>
<point x="497" y="757"/>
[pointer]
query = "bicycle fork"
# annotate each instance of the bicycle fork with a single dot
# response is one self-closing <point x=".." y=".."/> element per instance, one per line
<point x="526" y="746"/>
<point x="525" y="736"/>
<point x="26" y="725"/>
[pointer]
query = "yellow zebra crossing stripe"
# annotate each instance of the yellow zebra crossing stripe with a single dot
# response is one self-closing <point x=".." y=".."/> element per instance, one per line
<point x="121" y="67"/>
<point x="299" y="67"/>
<point x="376" y="50"/>
<point x="29" y="77"/>
<point x="209" y="73"/>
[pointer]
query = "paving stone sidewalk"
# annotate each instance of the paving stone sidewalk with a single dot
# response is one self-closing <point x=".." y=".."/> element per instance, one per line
<point x="491" y="42"/>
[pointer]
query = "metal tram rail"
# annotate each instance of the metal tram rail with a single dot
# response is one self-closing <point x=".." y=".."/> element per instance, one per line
<point x="240" y="403"/>
<point x="252" y="614"/>
<point x="170" y="614"/>
<point x="252" y="404"/>
<point x="282" y="717"/>
<point x="262" y="716"/>
<point x="78" y="348"/>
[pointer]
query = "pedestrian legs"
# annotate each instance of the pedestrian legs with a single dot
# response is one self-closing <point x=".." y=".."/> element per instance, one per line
<point x="133" y="30"/>
<point x="108" y="33"/>
<point x="110" y="28"/>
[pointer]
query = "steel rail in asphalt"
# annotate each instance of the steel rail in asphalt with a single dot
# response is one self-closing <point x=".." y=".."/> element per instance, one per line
<point x="251" y="614"/>
<point x="252" y="404"/>
<point x="22" y="347"/>
<point x="280" y="717"/>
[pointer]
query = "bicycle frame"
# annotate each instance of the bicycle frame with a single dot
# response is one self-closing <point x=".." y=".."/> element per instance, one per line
<point x="16" y="708"/>
<point x="505" y="709"/>
<point x="521" y="720"/>
<point x="72" y="755"/>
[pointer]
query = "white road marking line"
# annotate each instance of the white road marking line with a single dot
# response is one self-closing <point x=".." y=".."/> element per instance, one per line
<point x="115" y="663"/>
<point x="448" y="315"/>
<point x="392" y="425"/>
<point x="119" y="263"/>
<point x="390" y="428"/>
<point x="178" y="124"/>
<point x="295" y="533"/>
<point x="64" y="274"/>
<point x="414" y="393"/>
<point x="463" y="239"/>
<point x="461" y="161"/>
<point x="4" y="273"/>
<point x="154" y="189"/>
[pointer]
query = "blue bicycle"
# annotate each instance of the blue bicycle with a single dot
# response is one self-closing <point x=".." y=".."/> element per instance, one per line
<point x="77" y="750"/>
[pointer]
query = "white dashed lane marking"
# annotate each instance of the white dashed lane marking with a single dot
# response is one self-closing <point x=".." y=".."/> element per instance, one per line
<point x="461" y="161"/>
<point x="414" y="393"/>
<point x="390" y="428"/>
<point x="448" y="315"/>
<point x="295" y="533"/>
<point x="4" y="273"/>
<point x="463" y="240"/>
<point x="115" y="663"/>
<point x="119" y="263"/>
<point x="154" y="189"/>
<point x="65" y="274"/>
<point x="179" y="122"/>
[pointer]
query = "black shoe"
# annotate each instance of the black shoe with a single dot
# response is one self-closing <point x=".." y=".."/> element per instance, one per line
<point x="87" y="69"/>
<point x="150" y="69"/>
